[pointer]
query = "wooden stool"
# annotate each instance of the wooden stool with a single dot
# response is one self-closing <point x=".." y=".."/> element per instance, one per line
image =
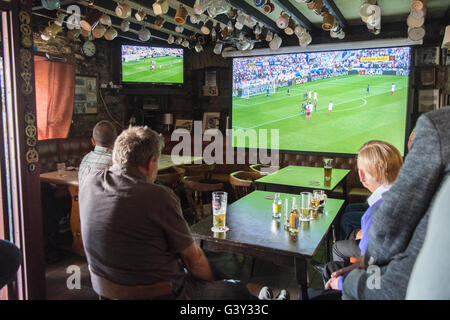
<point x="194" y="187"/>
<point x="105" y="288"/>
<point x="171" y="176"/>
<point x="75" y="225"/>
<point x="204" y="170"/>
<point x="242" y="182"/>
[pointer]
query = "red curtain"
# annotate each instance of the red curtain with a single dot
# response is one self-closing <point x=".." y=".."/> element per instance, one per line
<point x="55" y="90"/>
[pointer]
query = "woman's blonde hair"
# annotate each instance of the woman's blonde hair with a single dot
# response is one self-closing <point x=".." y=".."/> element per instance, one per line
<point x="380" y="160"/>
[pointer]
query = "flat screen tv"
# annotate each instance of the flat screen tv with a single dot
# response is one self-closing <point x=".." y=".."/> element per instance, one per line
<point x="326" y="102"/>
<point x="151" y="65"/>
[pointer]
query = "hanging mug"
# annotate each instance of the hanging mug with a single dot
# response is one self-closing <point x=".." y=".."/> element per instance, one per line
<point x="111" y="34"/>
<point x="185" y="43"/>
<point x="269" y="36"/>
<point x="218" y="48"/>
<point x="195" y="18"/>
<point x="275" y="43"/>
<point x="159" y="21"/>
<point x="180" y="15"/>
<point x="328" y="22"/>
<point x="140" y="15"/>
<point x="106" y="20"/>
<point x="123" y="11"/>
<point x="299" y="30"/>
<point x="170" y="39"/>
<point x="161" y="7"/>
<point x="144" y="34"/>
<point x="91" y="19"/>
<point x="283" y="20"/>
<point x="99" y="31"/>
<point x="125" y="25"/>
<point x="198" y="7"/>
<point x="206" y="28"/>
<point x="289" y="30"/>
<point x="179" y="29"/>
<point x="258" y="3"/>
<point x="305" y="39"/>
<point x="268" y="7"/>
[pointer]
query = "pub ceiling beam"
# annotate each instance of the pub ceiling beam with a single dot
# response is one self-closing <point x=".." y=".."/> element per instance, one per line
<point x="294" y="13"/>
<point x="334" y="10"/>
<point x="253" y="12"/>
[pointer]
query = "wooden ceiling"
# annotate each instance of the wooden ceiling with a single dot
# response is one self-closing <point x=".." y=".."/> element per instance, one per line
<point x="393" y="17"/>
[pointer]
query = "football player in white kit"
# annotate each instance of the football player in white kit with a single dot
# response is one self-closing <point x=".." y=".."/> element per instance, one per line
<point x="393" y="89"/>
<point x="330" y="107"/>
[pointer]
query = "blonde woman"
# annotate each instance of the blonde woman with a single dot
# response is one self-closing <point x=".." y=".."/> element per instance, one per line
<point x="378" y="165"/>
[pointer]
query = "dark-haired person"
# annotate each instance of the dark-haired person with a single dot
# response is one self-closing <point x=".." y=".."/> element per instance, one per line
<point x="399" y="223"/>
<point x="10" y="260"/>
<point x="103" y="136"/>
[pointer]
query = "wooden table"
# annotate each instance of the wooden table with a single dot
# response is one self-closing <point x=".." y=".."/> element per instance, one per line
<point x="168" y="161"/>
<point x="70" y="179"/>
<point x="295" y="179"/>
<point x="253" y="232"/>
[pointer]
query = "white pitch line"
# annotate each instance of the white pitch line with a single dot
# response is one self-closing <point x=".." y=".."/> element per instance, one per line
<point x="326" y="108"/>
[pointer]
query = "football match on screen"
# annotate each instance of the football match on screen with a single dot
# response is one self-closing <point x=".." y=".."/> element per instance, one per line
<point x="142" y="64"/>
<point x="323" y="101"/>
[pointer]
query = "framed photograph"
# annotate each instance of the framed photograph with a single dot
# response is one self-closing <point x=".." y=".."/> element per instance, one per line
<point x="427" y="56"/>
<point x="184" y="124"/>
<point x="428" y="100"/>
<point x="85" y="100"/>
<point x="211" y="120"/>
<point x="427" y="76"/>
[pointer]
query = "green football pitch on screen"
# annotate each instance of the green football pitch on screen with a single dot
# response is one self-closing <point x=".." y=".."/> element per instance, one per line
<point x="164" y="69"/>
<point x="357" y="116"/>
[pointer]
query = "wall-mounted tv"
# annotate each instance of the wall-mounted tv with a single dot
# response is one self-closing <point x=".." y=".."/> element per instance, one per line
<point x="325" y="102"/>
<point x="151" y="65"/>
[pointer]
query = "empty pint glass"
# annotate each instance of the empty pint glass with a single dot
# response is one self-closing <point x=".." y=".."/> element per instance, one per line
<point x="219" y="208"/>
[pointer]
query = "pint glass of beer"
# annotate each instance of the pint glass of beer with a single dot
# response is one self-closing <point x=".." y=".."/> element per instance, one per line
<point x="219" y="208"/>
<point x="327" y="170"/>
<point x="305" y="206"/>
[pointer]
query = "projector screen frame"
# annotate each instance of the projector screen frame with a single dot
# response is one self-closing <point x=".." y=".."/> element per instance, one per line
<point x="409" y="101"/>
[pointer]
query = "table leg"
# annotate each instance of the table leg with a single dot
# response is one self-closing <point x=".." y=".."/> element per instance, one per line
<point x="328" y="241"/>
<point x="344" y="188"/>
<point x="301" y="274"/>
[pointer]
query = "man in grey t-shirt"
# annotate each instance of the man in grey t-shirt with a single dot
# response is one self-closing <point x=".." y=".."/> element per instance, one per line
<point x="133" y="230"/>
<point x="103" y="136"/>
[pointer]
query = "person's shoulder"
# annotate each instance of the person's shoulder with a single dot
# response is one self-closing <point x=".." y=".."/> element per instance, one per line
<point x="439" y="119"/>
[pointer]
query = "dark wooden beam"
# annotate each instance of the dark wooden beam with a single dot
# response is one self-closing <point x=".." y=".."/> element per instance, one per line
<point x="253" y="12"/>
<point x="334" y="10"/>
<point x="295" y="14"/>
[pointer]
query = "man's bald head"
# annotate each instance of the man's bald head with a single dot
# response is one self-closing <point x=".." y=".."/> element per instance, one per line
<point x="104" y="134"/>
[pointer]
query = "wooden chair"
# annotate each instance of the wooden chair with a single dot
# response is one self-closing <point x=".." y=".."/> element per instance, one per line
<point x="242" y="182"/>
<point x="107" y="289"/>
<point x="194" y="187"/>
<point x="203" y="169"/>
<point x="171" y="176"/>
<point x="263" y="169"/>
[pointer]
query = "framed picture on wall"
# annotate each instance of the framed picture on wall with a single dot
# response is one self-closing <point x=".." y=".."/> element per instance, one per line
<point x="184" y="124"/>
<point x="211" y="120"/>
<point x="85" y="95"/>
<point x="428" y="100"/>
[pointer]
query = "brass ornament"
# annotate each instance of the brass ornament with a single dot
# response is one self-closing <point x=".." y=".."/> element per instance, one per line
<point x="24" y="17"/>
<point x="31" y="141"/>
<point x="31" y="167"/>
<point x="32" y="156"/>
<point x="25" y="29"/>
<point x="30" y="130"/>
<point x="27" y="42"/>
<point x="30" y="118"/>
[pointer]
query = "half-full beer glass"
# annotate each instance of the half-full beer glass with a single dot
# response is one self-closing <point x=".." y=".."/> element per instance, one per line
<point x="327" y="168"/>
<point x="219" y="209"/>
